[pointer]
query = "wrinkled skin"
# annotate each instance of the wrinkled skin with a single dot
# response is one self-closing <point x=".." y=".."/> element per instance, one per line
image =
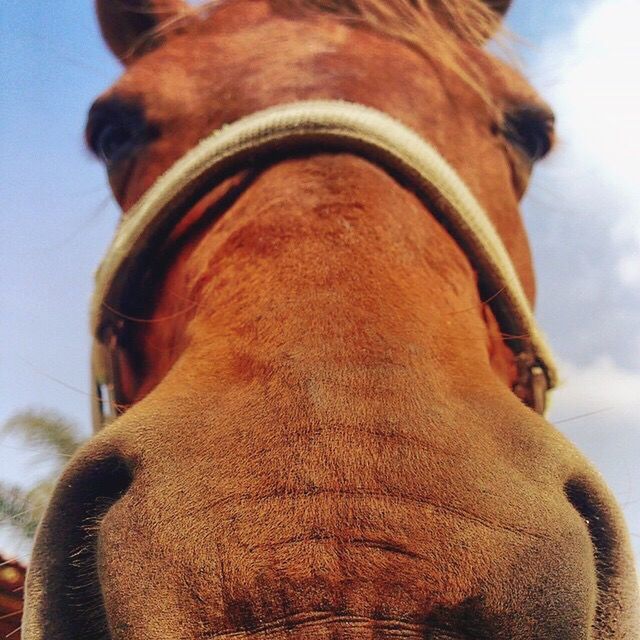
<point x="323" y="441"/>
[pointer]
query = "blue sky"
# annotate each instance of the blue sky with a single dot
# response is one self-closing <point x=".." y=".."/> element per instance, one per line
<point x="582" y="214"/>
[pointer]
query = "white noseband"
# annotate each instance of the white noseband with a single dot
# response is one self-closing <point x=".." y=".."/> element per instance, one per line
<point x="328" y="126"/>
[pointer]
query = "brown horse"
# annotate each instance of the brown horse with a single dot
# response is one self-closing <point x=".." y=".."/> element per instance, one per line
<point x="318" y="433"/>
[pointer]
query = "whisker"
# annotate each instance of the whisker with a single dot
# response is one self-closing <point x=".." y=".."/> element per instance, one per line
<point x="83" y="226"/>
<point x="583" y="415"/>
<point x="8" y="562"/>
<point x="482" y="302"/>
<point x="510" y="336"/>
<point x="66" y="385"/>
<point x="172" y="316"/>
<point x="11" y="615"/>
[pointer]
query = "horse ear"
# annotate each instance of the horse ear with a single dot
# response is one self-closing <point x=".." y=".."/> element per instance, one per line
<point x="131" y="27"/>
<point x="499" y="6"/>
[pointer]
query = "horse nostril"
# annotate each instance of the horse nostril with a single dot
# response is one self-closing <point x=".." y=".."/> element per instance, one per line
<point x="96" y="489"/>
<point x="107" y="482"/>
<point x="595" y="514"/>
<point x="67" y="547"/>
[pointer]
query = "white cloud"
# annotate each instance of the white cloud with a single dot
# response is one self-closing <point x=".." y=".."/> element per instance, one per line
<point x="629" y="270"/>
<point x="601" y="387"/>
<point x="591" y="77"/>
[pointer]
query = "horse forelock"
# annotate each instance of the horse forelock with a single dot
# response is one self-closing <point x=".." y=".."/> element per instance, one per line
<point x="472" y="21"/>
<point x="437" y="29"/>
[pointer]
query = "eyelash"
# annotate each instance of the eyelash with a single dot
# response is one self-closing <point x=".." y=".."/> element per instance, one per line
<point x="116" y="129"/>
<point x="530" y="129"/>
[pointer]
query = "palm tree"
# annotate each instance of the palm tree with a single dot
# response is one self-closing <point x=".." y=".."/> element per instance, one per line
<point x="56" y="439"/>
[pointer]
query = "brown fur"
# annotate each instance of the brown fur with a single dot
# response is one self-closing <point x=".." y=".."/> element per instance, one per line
<point x="323" y="441"/>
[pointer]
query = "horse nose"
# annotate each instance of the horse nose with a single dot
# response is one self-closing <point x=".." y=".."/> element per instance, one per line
<point x="216" y="544"/>
<point x="62" y="596"/>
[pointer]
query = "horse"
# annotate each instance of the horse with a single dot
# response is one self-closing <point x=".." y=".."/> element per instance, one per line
<point x="319" y="392"/>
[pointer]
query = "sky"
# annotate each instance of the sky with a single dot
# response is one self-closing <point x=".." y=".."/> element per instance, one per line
<point x="582" y="213"/>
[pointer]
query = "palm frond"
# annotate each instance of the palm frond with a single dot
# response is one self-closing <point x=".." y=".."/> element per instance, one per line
<point x="17" y="510"/>
<point x="48" y="431"/>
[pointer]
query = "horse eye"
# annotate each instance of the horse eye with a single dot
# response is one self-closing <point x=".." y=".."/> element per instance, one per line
<point x="530" y="129"/>
<point x="111" y="141"/>
<point x="116" y="129"/>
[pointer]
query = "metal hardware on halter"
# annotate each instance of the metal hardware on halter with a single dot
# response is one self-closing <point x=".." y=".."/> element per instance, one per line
<point x="330" y="125"/>
<point x="105" y="404"/>
<point x="532" y="383"/>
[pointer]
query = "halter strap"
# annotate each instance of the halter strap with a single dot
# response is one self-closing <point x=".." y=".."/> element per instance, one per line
<point x="329" y="125"/>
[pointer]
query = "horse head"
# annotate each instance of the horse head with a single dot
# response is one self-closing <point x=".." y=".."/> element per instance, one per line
<point x="320" y="425"/>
